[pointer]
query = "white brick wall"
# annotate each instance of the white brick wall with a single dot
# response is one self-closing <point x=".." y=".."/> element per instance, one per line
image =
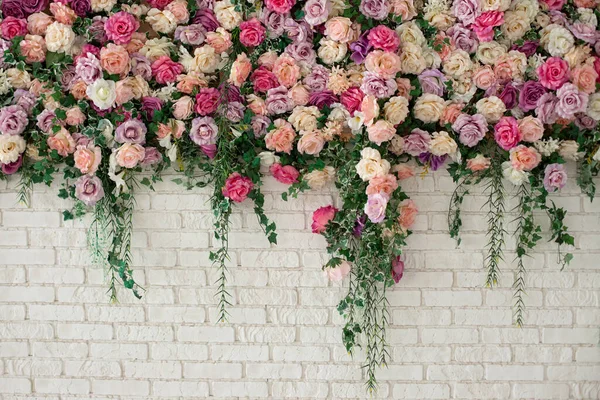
<point x="450" y="338"/>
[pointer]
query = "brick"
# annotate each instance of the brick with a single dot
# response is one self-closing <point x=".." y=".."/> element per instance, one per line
<point x="120" y="387"/>
<point x="205" y="334"/>
<point x="421" y="391"/>
<point x="514" y="373"/>
<point x="313" y="390"/>
<point x="29" y="294"/>
<point x="15" y="385"/>
<point x="240" y="389"/>
<point x="184" y="388"/>
<point x="62" y="385"/>
<point x="541" y="391"/>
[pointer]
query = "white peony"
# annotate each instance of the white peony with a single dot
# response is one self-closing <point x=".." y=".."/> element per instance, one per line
<point x="102" y="93"/>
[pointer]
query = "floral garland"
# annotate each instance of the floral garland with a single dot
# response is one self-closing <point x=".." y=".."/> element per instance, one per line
<point x="358" y="92"/>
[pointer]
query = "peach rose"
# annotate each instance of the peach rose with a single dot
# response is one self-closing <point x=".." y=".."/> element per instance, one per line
<point x="383" y="63"/>
<point x="138" y="40"/>
<point x="299" y="94"/>
<point x="403" y="171"/>
<point x="282" y="137"/>
<point x="531" y="129"/>
<point x="484" y="77"/>
<point x="257" y="105"/>
<point x="451" y="113"/>
<point x="408" y="213"/>
<point x="78" y="90"/>
<point x="240" y="70"/>
<point x="38" y="22"/>
<point x="130" y="154"/>
<point x="523" y="158"/>
<point x="188" y="83"/>
<point x="370" y="108"/>
<point x="339" y="29"/>
<point x="75" y="116"/>
<point x="584" y="77"/>
<point x="182" y="109"/>
<point x="33" y="48"/>
<point x="286" y="70"/>
<point x="115" y="59"/>
<point x="311" y="143"/>
<point x="220" y="40"/>
<point x="404" y="87"/>
<point x="384" y="183"/>
<point x="124" y="92"/>
<point x="62" y="142"/>
<point x="63" y="13"/>
<point x="87" y="158"/>
<point x="478" y="163"/>
<point x="179" y="9"/>
<point x="381" y="131"/>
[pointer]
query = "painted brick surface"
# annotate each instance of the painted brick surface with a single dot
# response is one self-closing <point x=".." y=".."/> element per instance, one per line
<point x="450" y="338"/>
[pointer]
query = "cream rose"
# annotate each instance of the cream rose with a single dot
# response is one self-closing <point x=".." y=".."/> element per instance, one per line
<point x="593" y="109"/>
<point x="59" y="37"/>
<point x="161" y="21"/>
<point x="557" y="40"/>
<point x="18" y="79"/>
<point x="441" y="144"/>
<point x="429" y="108"/>
<point x="304" y="118"/>
<point x="495" y="5"/>
<point x="492" y="108"/>
<point x="371" y="165"/>
<point x="11" y="147"/>
<point x="409" y="32"/>
<point x="317" y="179"/>
<point x="458" y="64"/>
<point x="156" y="48"/>
<point x="516" y="24"/>
<point x="331" y="52"/>
<point x="396" y="110"/>
<point x="489" y="52"/>
<point x="339" y="29"/>
<point x="103" y="5"/>
<point x="412" y="60"/>
<point x="226" y="14"/>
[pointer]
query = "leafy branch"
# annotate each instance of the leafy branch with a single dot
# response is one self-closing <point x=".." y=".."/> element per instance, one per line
<point x="496" y="230"/>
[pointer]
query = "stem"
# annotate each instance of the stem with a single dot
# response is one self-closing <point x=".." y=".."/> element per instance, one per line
<point x="221" y="256"/>
<point x="496" y="229"/>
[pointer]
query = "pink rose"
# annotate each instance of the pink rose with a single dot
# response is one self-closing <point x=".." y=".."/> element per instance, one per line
<point x="252" y="33"/>
<point x="207" y="101"/>
<point x="381" y="131"/>
<point x="321" y="218"/>
<point x="285" y="174"/>
<point x="237" y="187"/>
<point x="384" y="183"/>
<point x="404" y="171"/>
<point x="408" y="213"/>
<point x="553" y="5"/>
<point x="478" y="163"/>
<point x="506" y="133"/>
<point x="280" y="6"/>
<point x="286" y="70"/>
<point x="531" y="129"/>
<point x="376" y="206"/>
<point x="263" y="80"/>
<point x="523" y="158"/>
<point x="553" y="73"/>
<point x="240" y="70"/>
<point x="87" y="159"/>
<point x="585" y="77"/>
<point x="555" y="177"/>
<point x="129" y="155"/>
<point x="339" y="272"/>
<point x="397" y="269"/>
<point x="311" y="143"/>
<point x="485" y="23"/>
<point x="62" y="142"/>
<point x="352" y="99"/>
<point x="12" y="27"/>
<point x="282" y="137"/>
<point x="120" y="27"/>
<point x="166" y="70"/>
<point x="382" y="37"/>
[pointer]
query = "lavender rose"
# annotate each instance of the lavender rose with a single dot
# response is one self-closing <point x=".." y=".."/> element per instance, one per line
<point x="235" y="111"/>
<point x="377" y="86"/>
<point x="322" y="99"/>
<point x="96" y="29"/>
<point x="376" y="9"/>
<point x="13" y="120"/>
<point x="317" y="11"/>
<point x="278" y="101"/>
<point x="131" y="131"/>
<point x="260" y="123"/>
<point x="376" y="206"/>
<point x="45" y="120"/>
<point x="471" y="128"/>
<point x="88" y="69"/>
<point x="302" y="52"/>
<point x="12" y="8"/>
<point x="68" y="77"/>
<point x="140" y="65"/>
<point x="528" y="48"/>
<point x="194" y="34"/>
<point x="584" y="121"/>
<point x="466" y="10"/>
<point x="317" y="79"/>
<point x="274" y="22"/>
<point x="463" y="38"/>
<point x="151" y="104"/>
<point x="570" y="101"/>
<point x="151" y="156"/>
<point x="204" y="131"/>
<point x="206" y="18"/>
<point x="417" y="142"/>
<point x="89" y="189"/>
<point x="530" y="94"/>
<point x="555" y="177"/>
<point x="33" y="6"/>
<point x="298" y="31"/>
<point x="360" y="48"/>
<point x="509" y="96"/>
<point x="25" y="99"/>
<point x="546" y="109"/>
<point x="432" y="81"/>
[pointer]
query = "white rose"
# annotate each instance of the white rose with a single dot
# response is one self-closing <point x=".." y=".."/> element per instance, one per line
<point x="409" y="32"/>
<point x="155" y="48"/>
<point x="102" y="93"/>
<point x="458" y="64"/>
<point x="593" y="109"/>
<point x="317" y="179"/>
<point x="429" y="108"/>
<point x="161" y="21"/>
<point x="59" y="37"/>
<point x="432" y="58"/>
<point x="489" y="52"/>
<point x="569" y="150"/>
<point x="205" y="60"/>
<point x="369" y="153"/>
<point x="226" y="14"/>
<point x="11" y="146"/>
<point x="267" y="158"/>
<point x="368" y="169"/>
<point x="492" y="108"/>
<point x="18" y="79"/>
<point x="495" y="5"/>
<point x="464" y="90"/>
<point x="516" y="24"/>
<point x="103" y="5"/>
<point x="331" y="51"/>
<point x="531" y="8"/>
<point x="557" y="40"/>
<point x="396" y="110"/>
<point x="304" y="118"/>
<point x="588" y="17"/>
<point x="412" y="60"/>
<point x="514" y="176"/>
<point x="338" y="113"/>
<point x="441" y="144"/>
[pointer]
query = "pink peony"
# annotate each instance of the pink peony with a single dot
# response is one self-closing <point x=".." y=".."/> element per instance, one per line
<point x="252" y="33"/>
<point x="321" y="218"/>
<point x="165" y="70"/>
<point x="555" y="177"/>
<point x="237" y="187"/>
<point x="120" y="27"/>
<point x="408" y="213"/>
<point x="285" y="173"/>
<point x="553" y="73"/>
<point x="506" y="133"/>
<point x="382" y="37"/>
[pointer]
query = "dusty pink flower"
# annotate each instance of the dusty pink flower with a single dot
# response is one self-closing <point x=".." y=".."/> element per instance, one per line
<point x="237" y="187"/>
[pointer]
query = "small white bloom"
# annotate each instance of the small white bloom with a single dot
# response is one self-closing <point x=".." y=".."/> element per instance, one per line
<point x="547" y="147"/>
<point x="267" y="158"/>
<point x="514" y="176"/>
<point x="356" y="123"/>
<point x="102" y="93"/>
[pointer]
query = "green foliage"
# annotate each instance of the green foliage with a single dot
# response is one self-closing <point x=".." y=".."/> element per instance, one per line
<point x="496" y="230"/>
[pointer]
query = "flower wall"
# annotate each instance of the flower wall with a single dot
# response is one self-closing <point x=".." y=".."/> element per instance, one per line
<point x="365" y="94"/>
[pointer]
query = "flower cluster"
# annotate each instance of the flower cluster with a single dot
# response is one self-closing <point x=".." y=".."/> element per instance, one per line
<point x="363" y="93"/>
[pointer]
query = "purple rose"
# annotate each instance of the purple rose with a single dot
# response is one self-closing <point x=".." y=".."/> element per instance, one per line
<point x="210" y="150"/>
<point x="11" y="168"/>
<point x="25" y="99"/>
<point x="68" y="77"/>
<point x="81" y="7"/>
<point x="206" y="18"/>
<point x="274" y="22"/>
<point x="466" y="10"/>
<point x="417" y="142"/>
<point x="376" y="9"/>
<point x="397" y="269"/>
<point x="359" y="225"/>
<point x="260" y="123"/>
<point x="152" y="156"/>
<point x="204" y="131"/>
<point x="546" y="109"/>
<point x="530" y="94"/>
<point x="88" y="68"/>
<point x="471" y="128"/>
<point x="140" y="65"/>
<point x="233" y="93"/>
<point x="298" y="31"/>
<point x="322" y="99"/>
<point x="12" y="8"/>
<point x="584" y="121"/>
<point x="81" y="140"/>
<point x="151" y="104"/>
<point x="316" y="11"/>
<point x="45" y="120"/>
<point x="302" y="52"/>
<point x="89" y="189"/>
<point x="235" y="111"/>
<point x="13" y="120"/>
<point x="528" y="48"/>
<point x="555" y="177"/>
<point x="33" y="6"/>
<point x="360" y="48"/>
<point x="584" y="32"/>
<point x="434" y="162"/>
<point x="194" y="34"/>
<point x="96" y="29"/>
<point x="375" y="85"/>
<point x="202" y="4"/>
<point x="432" y="81"/>
<point x="509" y="96"/>
<point x="131" y="131"/>
<point x="376" y="206"/>
<point x="317" y="79"/>
<point x="570" y="101"/>
<point x="463" y="38"/>
<point x="278" y="101"/>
